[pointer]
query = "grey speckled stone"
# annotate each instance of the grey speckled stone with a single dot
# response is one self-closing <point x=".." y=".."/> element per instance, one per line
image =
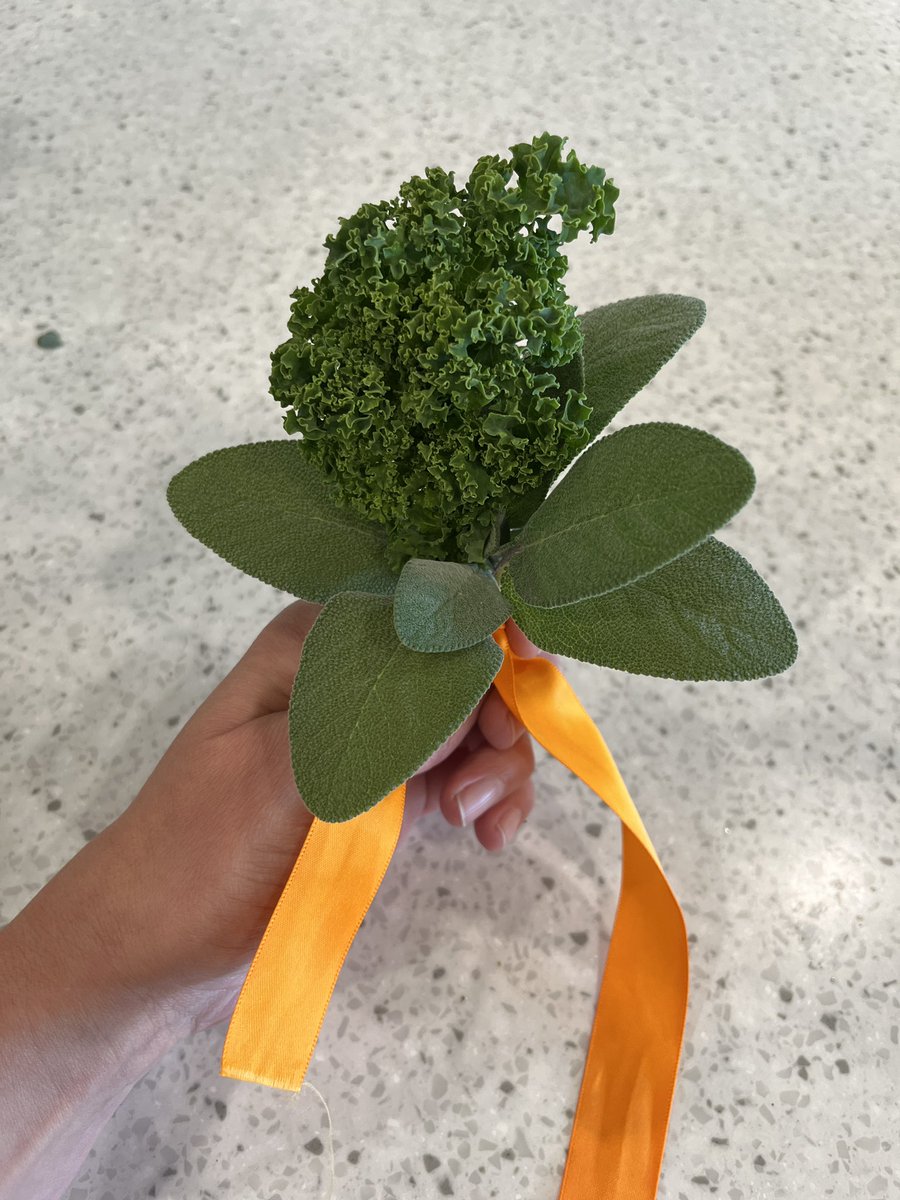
<point x="168" y="175"/>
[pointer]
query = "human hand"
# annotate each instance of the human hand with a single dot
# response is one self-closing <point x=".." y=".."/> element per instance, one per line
<point x="183" y="883"/>
<point x="146" y="935"/>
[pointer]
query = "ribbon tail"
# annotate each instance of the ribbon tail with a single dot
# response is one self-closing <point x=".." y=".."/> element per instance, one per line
<point x="276" y="1023"/>
<point x="619" y="1130"/>
<point x="620" y="1124"/>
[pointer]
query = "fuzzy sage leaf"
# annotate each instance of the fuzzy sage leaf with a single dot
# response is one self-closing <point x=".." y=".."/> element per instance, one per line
<point x="266" y="509"/>
<point x="366" y="712"/>
<point x="626" y="343"/>
<point x="443" y="606"/>
<point x="633" y="502"/>
<point x="707" y="615"/>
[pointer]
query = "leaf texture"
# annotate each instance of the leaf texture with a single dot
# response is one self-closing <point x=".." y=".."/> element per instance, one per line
<point x="631" y="503"/>
<point x="366" y="711"/>
<point x="707" y="615"/>
<point x="444" y="606"/>
<point x="626" y="343"/>
<point x="265" y="508"/>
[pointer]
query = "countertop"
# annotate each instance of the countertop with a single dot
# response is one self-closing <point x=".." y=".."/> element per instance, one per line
<point x="168" y="175"/>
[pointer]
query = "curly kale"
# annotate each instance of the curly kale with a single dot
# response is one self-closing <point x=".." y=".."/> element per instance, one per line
<point x="422" y="368"/>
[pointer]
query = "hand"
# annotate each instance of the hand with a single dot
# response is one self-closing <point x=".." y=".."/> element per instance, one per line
<point x="147" y="933"/>
<point x="182" y="884"/>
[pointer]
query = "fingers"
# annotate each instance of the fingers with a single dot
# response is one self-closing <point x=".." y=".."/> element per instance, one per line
<point x="486" y="777"/>
<point x="499" y="825"/>
<point x="496" y="722"/>
<point x="487" y="782"/>
<point x="476" y="764"/>
<point x="423" y="791"/>
<point x="483" y="752"/>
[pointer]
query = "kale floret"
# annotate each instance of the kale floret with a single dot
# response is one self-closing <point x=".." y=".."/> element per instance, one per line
<point x="422" y="364"/>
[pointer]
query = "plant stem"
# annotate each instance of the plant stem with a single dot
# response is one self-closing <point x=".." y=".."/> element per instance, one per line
<point x="502" y="555"/>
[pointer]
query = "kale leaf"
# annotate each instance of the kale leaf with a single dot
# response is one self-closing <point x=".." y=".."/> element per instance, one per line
<point x="422" y="367"/>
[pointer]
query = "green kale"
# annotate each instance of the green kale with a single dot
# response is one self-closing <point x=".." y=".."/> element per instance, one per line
<point x="424" y="368"/>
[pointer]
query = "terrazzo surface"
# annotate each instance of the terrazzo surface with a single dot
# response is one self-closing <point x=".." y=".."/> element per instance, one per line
<point x="167" y="176"/>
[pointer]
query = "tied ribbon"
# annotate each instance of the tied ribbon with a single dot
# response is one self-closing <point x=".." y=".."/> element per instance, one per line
<point x="620" y="1124"/>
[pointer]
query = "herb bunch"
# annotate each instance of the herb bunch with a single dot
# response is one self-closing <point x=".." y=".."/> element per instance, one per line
<point x="441" y="381"/>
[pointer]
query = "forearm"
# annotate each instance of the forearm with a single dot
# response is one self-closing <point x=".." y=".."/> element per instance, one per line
<point x="72" y="1043"/>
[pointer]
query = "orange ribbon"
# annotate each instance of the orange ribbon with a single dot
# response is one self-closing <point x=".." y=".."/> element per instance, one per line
<point x="620" y="1124"/>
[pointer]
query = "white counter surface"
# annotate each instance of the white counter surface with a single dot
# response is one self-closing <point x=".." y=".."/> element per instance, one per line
<point x="167" y="175"/>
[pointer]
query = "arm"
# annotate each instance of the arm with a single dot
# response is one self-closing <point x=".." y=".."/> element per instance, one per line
<point x="146" y="935"/>
<point x="74" y="1038"/>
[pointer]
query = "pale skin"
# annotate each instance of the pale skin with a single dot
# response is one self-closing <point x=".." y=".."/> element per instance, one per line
<point x="144" y="937"/>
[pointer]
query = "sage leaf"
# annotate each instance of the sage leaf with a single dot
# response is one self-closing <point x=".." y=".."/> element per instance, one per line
<point x="445" y="606"/>
<point x="707" y="615"/>
<point x="631" y="503"/>
<point x="266" y="509"/>
<point x="366" y="711"/>
<point x="626" y="343"/>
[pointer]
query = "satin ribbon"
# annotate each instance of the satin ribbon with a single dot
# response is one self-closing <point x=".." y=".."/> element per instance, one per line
<point x="619" y="1129"/>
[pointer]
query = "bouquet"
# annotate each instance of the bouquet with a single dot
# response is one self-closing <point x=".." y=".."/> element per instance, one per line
<point x="445" y="471"/>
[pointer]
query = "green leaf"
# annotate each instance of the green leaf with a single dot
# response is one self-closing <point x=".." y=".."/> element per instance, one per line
<point x="707" y="615"/>
<point x="626" y="343"/>
<point x="442" y="606"/>
<point x="366" y="712"/>
<point x="266" y="509"/>
<point x="630" y="504"/>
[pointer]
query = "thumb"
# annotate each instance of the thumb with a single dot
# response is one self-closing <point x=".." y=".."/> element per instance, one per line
<point x="260" y="682"/>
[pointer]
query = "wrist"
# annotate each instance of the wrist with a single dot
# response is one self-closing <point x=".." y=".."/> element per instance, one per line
<point x="71" y="1047"/>
<point x="107" y="950"/>
<point x="70" y="973"/>
<point x="66" y="1004"/>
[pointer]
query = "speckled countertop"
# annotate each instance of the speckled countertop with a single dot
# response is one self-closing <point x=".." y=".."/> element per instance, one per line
<point x="167" y="175"/>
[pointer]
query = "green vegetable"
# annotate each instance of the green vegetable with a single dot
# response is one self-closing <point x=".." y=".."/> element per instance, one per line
<point x="266" y="510"/>
<point x="442" y="382"/>
<point x="423" y="364"/>
<point x="446" y="606"/>
<point x="626" y="343"/>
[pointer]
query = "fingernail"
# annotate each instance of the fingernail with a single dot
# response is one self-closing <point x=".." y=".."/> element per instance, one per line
<point x="476" y="798"/>
<point x="508" y="824"/>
